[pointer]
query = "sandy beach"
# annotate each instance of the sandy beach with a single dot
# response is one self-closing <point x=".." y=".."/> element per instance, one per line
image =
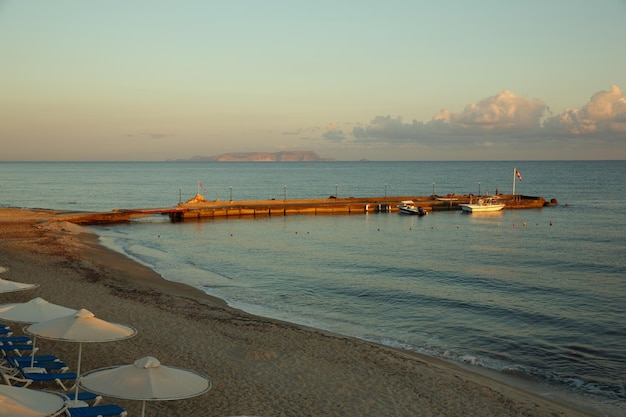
<point x="257" y="366"/>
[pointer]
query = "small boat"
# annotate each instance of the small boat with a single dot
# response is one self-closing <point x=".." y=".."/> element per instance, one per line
<point x="483" y="205"/>
<point x="408" y="207"/>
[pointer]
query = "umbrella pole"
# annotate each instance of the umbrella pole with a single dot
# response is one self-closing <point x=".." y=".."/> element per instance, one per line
<point x="80" y="352"/>
<point x="32" y="355"/>
<point x="143" y="408"/>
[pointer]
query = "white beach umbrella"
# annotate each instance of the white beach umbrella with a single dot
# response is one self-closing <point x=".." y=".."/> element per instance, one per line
<point x="80" y="327"/>
<point x="33" y="311"/>
<point x="145" y="380"/>
<point x="25" y="402"/>
<point x="12" y="286"/>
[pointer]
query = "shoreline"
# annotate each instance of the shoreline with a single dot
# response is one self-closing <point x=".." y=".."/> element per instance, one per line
<point x="257" y="366"/>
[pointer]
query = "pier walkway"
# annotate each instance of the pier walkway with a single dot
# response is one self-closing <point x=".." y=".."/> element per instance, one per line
<point x="326" y="206"/>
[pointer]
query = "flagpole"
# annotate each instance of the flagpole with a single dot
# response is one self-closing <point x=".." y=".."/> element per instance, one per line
<point x="514" y="171"/>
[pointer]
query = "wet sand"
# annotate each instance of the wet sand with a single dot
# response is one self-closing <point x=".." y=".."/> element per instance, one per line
<point x="257" y="366"/>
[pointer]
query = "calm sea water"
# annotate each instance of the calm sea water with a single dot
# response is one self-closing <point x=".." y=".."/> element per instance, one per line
<point x="537" y="293"/>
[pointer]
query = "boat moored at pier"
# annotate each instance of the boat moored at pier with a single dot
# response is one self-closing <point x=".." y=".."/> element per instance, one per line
<point x="409" y="207"/>
<point x="483" y="205"/>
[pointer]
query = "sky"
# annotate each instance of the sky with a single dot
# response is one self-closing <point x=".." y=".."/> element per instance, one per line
<point x="396" y="80"/>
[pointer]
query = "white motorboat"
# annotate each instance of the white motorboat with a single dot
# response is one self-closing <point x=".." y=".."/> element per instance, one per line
<point x="483" y="205"/>
<point x="409" y="207"/>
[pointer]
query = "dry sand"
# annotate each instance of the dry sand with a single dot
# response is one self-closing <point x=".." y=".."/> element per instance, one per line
<point x="257" y="366"/>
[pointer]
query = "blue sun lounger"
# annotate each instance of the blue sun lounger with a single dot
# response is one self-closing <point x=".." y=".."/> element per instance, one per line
<point x="57" y="377"/>
<point x="40" y="358"/>
<point x="26" y="360"/>
<point x="107" y="410"/>
<point x="84" y="396"/>
<point x="17" y="349"/>
<point x="48" y="362"/>
<point x="7" y="340"/>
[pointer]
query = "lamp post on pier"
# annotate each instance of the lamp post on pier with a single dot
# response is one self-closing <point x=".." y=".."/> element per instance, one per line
<point x="385" y="190"/>
<point x="433" y="190"/>
<point x="231" y="193"/>
<point x="285" y="192"/>
<point x="336" y="191"/>
<point x="478" y="187"/>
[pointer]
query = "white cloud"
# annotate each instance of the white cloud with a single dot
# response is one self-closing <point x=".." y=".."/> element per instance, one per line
<point x="501" y="112"/>
<point x="504" y="112"/>
<point x="605" y="113"/>
<point x="499" y="119"/>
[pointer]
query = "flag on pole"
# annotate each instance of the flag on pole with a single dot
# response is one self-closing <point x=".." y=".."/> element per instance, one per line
<point x="201" y="187"/>
<point x="518" y="174"/>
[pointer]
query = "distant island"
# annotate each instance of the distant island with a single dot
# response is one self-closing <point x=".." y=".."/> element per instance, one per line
<point x="284" y="156"/>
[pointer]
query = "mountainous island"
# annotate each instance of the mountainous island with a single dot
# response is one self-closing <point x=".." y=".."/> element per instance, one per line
<point x="284" y="156"/>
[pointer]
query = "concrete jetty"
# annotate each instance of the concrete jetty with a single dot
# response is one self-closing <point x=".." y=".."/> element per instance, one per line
<point x="198" y="208"/>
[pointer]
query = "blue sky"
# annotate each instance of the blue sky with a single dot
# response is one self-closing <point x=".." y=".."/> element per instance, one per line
<point x="395" y="80"/>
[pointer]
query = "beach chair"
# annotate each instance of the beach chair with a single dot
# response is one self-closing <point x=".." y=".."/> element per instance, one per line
<point x="12" y="360"/>
<point x="57" y="377"/>
<point x="5" y="331"/>
<point x="47" y="362"/>
<point x="18" y="349"/>
<point x="107" y="410"/>
<point x="84" y="396"/>
<point x="26" y="360"/>
<point x="41" y="358"/>
<point x="8" y="369"/>
<point x="10" y="340"/>
<point x="13" y="380"/>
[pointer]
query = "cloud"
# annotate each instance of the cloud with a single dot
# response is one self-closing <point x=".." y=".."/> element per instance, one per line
<point x="504" y="111"/>
<point x="334" y="133"/>
<point x="498" y="119"/>
<point x="389" y="128"/>
<point x="605" y="113"/>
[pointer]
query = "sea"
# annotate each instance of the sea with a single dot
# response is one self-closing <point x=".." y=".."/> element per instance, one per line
<point x="535" y="294"/>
